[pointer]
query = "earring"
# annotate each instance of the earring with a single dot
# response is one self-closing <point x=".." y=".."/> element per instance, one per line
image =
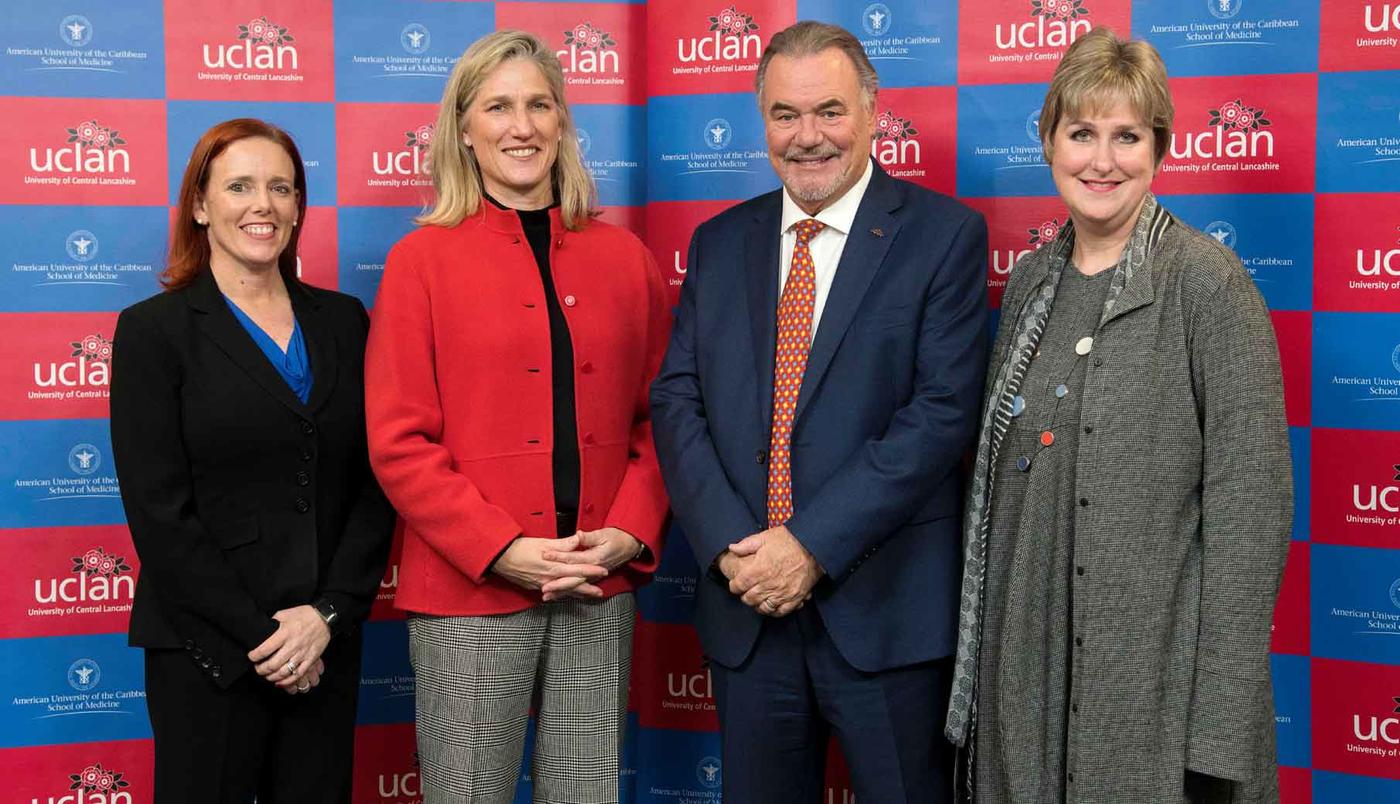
<point x="201" y="222"/>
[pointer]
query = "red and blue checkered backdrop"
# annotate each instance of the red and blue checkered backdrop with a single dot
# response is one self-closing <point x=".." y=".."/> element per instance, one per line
<point x="1287" y="149"/>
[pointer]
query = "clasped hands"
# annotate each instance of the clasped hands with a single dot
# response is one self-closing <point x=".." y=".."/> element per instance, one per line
<point x="770" y="571"/>
<point x="291" y="657"/>
<point x="567" y="567"/>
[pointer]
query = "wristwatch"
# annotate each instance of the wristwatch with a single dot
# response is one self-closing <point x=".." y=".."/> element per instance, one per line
<point x="326" y="609"/>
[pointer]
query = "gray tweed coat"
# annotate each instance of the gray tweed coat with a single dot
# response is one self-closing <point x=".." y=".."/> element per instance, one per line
<point x="1185" y="505"/>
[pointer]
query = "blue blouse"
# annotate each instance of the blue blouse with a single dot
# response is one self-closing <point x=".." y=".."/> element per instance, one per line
<point x="293" y="364"/>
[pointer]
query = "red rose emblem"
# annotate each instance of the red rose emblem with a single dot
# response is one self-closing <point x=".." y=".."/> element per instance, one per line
<point x="86" y="130"/>
<point x="726" y="17"/>
<point x="1066" y="11"/>
<point x="884" y="120"/>
<point x="104" y="352"/>
<point x="102" y="138"/>
<point x="581" y="33"/>
<point x="595" y="39"/>
<point x="424" y="134"/>
<point x="105" y="780"/>
<point x="1245" y="118"/>
<point x="257" y="28"/>
<point x="91" y="773"/>
<point x="91" y="560"/>
<point x="271" y="35"/>
<point x="1230" y="112"/>
<point x="1049" y="230"/>
<point x="106" y="566"/>
<point x="895" y="129"/>
<point x="91" y="344"/>
<point x="1051" y="7"/>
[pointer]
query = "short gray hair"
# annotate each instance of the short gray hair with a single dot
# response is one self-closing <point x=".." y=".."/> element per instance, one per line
<point x="808" y="38"/>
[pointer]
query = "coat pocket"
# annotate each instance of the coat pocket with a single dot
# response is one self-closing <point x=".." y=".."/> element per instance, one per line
<point x="233" y="532"/>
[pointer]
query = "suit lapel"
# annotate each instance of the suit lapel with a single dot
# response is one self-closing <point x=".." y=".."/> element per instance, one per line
<point x="761" y="274"/>
<point x="868" y="242"/>
<point x="319" y="335"/>
<point x="218" y="325"/>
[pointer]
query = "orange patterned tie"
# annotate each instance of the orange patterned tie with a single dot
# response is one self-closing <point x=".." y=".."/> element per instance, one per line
<point x="794" y="342"/>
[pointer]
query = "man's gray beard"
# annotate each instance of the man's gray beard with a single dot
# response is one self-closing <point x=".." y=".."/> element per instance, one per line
<point x="822" y="193"/>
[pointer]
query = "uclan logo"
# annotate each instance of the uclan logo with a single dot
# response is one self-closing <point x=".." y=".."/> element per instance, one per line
<point x="1389" y="18"/>
<point x="1236" y="130"/>
<point x="97" y="576"/>
<point x="1386" y="730"/>
<point x="261" y="45"/>
<point x="91" y="148"/>
<point x="588" y="49"/>
<point x="89" y="367"/>
<point x="1056" y="23"/>
<point x="92" y="785"/>
<point x="1387" y="262"/>
<point x="399" y="785"/>
<point x="732" y="38"/>
<point x="1377" y="498"/>
<point x="895" y="141"/>
<point x="690" y="685"/>
<point x="402" y="784"/>
<point x="410" y="160"/>
<point x="1003" y="260"/>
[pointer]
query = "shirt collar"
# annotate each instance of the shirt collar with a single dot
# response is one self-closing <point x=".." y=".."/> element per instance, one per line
<point x="839" y="215"/>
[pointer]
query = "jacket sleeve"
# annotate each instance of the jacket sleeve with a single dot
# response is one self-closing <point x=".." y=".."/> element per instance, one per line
<point x="640" y="505"/>
<point x="711" y="512"/>
<point x="351" y="582"/>
<point x="193" y="581"/>
<point x="889" y="478"/>
<point x="404" y="419"/>
<point x="1246" y="511"/>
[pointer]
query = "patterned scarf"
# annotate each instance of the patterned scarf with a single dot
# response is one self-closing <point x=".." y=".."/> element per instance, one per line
<point x="1152" y="221"/>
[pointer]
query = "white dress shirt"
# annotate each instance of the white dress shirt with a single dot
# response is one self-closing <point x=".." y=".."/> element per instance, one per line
<point x="826" y="246"/>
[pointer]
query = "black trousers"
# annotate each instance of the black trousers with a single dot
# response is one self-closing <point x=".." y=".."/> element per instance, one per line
<point x="252" y="739"/>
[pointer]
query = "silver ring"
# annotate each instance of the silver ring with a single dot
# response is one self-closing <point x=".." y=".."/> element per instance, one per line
<point x="303" y="687"/>
<point x="292" y="666"/>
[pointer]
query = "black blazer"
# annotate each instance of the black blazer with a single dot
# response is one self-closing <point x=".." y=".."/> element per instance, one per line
<point x="241" y="500"/>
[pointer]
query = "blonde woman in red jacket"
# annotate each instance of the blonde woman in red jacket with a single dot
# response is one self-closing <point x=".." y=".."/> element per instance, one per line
<point x="506" y="381"/>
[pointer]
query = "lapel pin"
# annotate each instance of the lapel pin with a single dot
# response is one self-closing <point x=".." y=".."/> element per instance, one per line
<point x="878" y="232"/>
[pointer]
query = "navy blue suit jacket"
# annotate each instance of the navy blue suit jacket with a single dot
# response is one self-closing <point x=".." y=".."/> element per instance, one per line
<point x="887" y="410"/>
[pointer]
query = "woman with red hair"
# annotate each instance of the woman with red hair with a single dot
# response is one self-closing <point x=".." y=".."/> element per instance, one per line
<point x="238" y="430"/>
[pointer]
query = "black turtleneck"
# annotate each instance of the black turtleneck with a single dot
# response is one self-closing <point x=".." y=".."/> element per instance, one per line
<point x="535" y="222"/>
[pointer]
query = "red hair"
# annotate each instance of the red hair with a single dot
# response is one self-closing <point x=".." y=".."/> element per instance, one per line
<point x="189" y="242"/>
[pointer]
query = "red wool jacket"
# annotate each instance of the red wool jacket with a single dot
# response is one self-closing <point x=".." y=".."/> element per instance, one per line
<point x="459" y="400"/>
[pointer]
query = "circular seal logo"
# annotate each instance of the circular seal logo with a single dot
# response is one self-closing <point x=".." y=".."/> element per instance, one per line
<point x="1033" y="125"/>
<point x="1395" y="593"/>
<point x="415" y="38"/>
<point x="84" y="459"/>
<point x="81" y="245"/>
<point x="718" y="134"/>
<point x="84" y="674"/>
<point x="708" y="772"/>
<point x="585" y="142"/>
<point x="75" y="30"/>
<point x="1224" y="9"/>
<point x="876" y="19"/>
<point x="1395" y="357"/>
<point x="1222" y="232"/>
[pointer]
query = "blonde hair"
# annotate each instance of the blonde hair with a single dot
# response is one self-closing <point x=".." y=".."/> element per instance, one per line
<point x="1099" y="70"/>
<point x="452" y="165"/>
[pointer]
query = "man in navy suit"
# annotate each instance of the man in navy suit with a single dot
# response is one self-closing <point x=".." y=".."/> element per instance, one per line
<point x="820" y="390"/>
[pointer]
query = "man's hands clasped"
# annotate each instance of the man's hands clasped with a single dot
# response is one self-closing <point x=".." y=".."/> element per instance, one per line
<point x="771" y="571"/>
<point x="567" y="567"/>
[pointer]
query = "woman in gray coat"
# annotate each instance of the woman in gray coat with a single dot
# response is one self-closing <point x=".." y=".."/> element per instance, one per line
<point x="1130" y="508"/>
